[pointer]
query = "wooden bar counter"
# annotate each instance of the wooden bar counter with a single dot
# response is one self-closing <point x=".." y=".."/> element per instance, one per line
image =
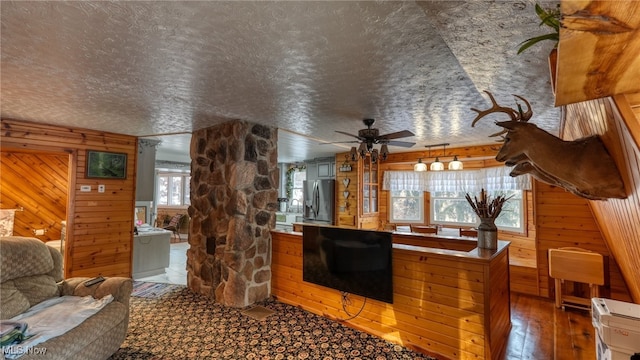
<point x="451" y="299"/>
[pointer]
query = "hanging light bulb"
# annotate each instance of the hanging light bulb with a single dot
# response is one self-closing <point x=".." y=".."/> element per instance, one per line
<point x="362" y="150"/>
<point x="353" y="154"/>
<point x="384" y="152"/>
<point x="420" y="166"/>
<point x="374" y="156"/>
<point x="437" y="165"/>
<point x="455" y="164"/>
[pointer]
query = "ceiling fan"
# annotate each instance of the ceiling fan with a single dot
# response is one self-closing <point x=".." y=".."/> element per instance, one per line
<point x="371" y="136"/>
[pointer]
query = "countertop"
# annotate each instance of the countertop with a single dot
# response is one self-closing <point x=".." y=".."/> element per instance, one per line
<point x="436" y="245"/>
<point x="148" y="231"/>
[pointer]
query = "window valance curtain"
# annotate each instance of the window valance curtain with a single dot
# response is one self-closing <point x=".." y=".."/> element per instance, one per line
<point x="491" y="179"/>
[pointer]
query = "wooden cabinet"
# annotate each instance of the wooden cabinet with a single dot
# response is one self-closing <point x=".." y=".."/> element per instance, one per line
<point x="358" y="193"/>
<point x="369" y="176"/>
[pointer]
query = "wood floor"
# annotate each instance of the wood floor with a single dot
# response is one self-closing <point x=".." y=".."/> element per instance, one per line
<point x="540" y="331"/>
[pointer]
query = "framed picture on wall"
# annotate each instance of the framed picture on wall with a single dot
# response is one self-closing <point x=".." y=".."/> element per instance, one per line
<point x="106" y="165"/>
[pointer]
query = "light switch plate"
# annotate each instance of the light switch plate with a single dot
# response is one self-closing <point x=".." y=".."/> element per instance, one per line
<point x="101" y="188"/>
<point x="85" y="188"/>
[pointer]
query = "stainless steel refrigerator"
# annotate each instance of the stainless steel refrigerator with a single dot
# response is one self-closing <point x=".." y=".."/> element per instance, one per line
<point x="319" y="202"/>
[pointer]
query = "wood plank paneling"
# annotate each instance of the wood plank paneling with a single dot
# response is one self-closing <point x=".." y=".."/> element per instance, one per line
<point x="556" y="229"/>
<point x="99" y="225"/>
<point x="453" y="307"/>
<point x="618" y="219"/>
<point x="347" y="207"/>
<point x="36" y="182"/>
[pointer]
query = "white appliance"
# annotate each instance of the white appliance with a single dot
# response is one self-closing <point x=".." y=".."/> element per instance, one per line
<point x="618" y="328"/>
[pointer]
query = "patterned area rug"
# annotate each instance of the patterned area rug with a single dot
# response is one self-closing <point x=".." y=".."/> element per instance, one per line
<point x="184" y="325"/>
<point x="152" y="290"/>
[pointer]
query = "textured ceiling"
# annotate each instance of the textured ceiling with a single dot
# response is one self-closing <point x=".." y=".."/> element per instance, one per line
<point x="149" y="68"/>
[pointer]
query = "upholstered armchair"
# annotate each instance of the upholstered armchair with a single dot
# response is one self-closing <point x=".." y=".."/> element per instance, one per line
<point x="31" y="272"/>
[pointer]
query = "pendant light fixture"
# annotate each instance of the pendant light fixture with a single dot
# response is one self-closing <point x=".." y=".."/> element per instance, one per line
<point x="436" y="165"/>
<point x="455" y="164"/>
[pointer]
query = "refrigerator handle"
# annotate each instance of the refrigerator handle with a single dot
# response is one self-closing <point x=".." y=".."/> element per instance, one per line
<point x="316" y="199"/>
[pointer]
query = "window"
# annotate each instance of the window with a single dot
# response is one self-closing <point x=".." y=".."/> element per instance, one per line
<point x="451" y="208"/>
<point x="406" y="206"/>
<point x="173" y="189"/>
<point x="297" y="192"/>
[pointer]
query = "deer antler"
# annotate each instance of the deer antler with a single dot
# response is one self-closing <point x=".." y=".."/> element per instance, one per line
<point x="494" y="108"/>
<point x="518" y="115"/>
<point x="524" y="116"/>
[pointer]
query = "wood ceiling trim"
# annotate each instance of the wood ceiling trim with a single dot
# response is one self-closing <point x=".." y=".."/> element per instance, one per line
<point x="630" y="114"/>
<point x="598" y="50"/>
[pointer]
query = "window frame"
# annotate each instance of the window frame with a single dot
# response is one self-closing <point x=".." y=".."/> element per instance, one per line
<point x="184" y="188"/>
<point x="421" y="201"/>
<point x="522" y="200"/>
<point x="299" y="207"/>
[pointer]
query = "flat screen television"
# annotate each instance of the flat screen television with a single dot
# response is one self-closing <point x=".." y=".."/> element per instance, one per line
<point x="349" y="260"/>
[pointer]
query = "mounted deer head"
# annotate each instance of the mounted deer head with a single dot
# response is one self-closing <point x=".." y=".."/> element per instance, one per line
<point x="526" y="167"/>
<point x="583" y="166"/>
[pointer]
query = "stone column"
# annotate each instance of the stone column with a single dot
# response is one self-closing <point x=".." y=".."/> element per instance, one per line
<point x="234" y="182"/>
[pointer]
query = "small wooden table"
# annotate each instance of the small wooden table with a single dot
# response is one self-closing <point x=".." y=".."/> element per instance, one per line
<point x="578" y="265"/>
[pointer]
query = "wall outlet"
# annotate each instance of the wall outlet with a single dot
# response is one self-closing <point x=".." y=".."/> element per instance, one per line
<point x="39" y="232"/>
<point x="85" y="188"/>
<point x="101" y="188"/>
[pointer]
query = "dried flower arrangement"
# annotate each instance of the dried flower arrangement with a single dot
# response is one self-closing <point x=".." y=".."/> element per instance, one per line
<point x="486" y="207"/>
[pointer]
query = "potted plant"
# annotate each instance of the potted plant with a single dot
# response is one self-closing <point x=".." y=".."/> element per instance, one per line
<point x="550" y="18"/>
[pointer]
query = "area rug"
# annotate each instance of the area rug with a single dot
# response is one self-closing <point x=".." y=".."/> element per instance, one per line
<point x="185" y="325"/>
<point x="153" y="290"/>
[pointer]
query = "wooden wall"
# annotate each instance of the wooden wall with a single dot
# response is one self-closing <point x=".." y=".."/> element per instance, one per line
<point x="37" y="183"/>
<point x="99" y="225"/>
<point x="617" y="123"/>
<point x="565" y="220"/>
<point x="450" y="307"/>
<point x="347" y="208"/>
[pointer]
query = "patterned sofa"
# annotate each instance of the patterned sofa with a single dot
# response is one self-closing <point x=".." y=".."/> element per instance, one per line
<point x="31" y="272"/>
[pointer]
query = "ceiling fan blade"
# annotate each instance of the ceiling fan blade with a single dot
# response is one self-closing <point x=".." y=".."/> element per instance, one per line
<point x="339" y="142"/>
<point x="345" y="133"/>
<point x="400" y="143"/>
<point x="396" y="135"/>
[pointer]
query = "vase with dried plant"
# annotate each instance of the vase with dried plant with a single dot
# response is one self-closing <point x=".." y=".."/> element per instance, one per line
<point x="487" y="209"/>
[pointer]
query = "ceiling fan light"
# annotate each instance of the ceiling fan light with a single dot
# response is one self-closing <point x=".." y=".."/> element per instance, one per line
<point x="384" y="152"/>
<point x="455" y="164"/>
<point x="362" y="150"/>
<point x="420" y="166"/>
<point x="374" y="155"/>
<point x="353" y="154"/>
<point x="437" y="165"/>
